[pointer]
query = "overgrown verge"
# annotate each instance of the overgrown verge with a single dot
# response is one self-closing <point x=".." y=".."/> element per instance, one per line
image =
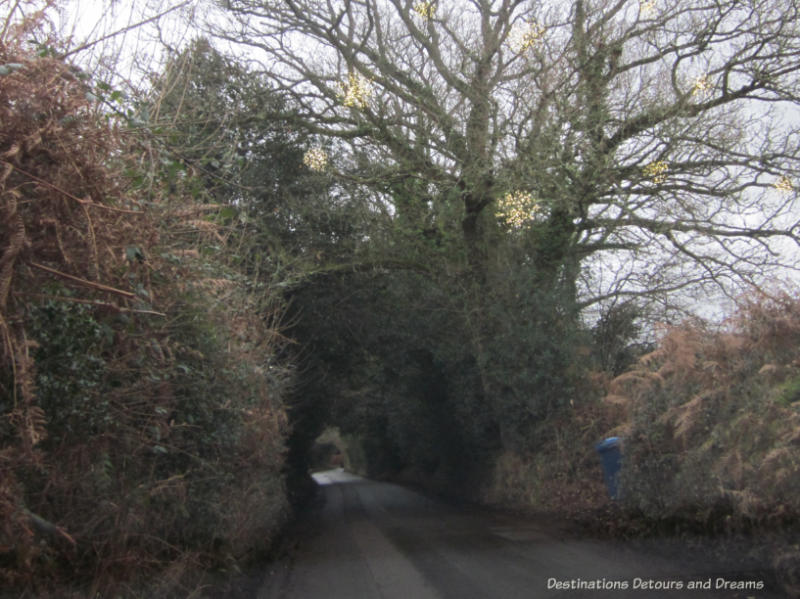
<point x="714" y="431"/>
<point x="141" y="416"/>
<point x="564" y="477"/>
<point x="712" y="445"/>
<point x="710" y="429"/>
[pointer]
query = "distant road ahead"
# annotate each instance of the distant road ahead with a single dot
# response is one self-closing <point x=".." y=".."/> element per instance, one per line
<point x="378" y="540"/>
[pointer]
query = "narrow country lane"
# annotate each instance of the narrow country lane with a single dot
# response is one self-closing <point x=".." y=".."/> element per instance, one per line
<point x="378" y="540"/>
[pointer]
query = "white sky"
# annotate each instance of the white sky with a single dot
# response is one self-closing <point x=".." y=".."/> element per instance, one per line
<point x="111" y="42"/>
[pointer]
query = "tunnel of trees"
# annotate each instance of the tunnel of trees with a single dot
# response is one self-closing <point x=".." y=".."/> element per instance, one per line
<point x="444" y="228"/>
<point x="469" y="210"/>
<point x="500" y="170"/>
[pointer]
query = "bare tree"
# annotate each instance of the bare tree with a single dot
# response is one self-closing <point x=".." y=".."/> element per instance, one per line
<point x="633" y="147"/>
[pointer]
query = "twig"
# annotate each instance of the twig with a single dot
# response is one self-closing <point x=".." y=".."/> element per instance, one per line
<point x="84" y="282"/>
<point x="8" y="346"/>
<point x="125" y="29"/>
<point x="90" y="302"/>
<point x="7" y="22"/>
<point x="91" y="203"/>
<point x="48" y="527"/>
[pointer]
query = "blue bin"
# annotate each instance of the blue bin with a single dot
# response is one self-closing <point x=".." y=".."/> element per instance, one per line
<point x="611" y="455"/>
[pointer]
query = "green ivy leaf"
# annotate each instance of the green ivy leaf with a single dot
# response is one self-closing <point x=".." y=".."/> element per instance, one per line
<point x="134" y="253"/>
<point x="227" y="212"/>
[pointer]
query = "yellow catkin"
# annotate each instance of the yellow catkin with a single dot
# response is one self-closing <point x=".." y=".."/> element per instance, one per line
<point x="517" y="209"/>
<point x="784" y="184"/>
<point x="524" y="36"/>
<point x="426" y="10"/>
<point x="656" y="171"/>
<point x="701" y="86"/>
<point x="356" y="92"/>
<point x="316" y="159"/>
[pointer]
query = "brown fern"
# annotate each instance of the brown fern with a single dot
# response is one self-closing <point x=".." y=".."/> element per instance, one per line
<point x="16" y="236"/>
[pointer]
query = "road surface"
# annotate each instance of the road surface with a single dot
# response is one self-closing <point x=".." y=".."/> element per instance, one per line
<point x="378" y="540"/>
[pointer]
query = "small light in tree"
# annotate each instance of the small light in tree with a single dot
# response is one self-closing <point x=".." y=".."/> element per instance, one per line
<point x="648" y="7"/>
<point x="784" y="184"/>
<point x="356" y="92"/>
<point x="517" y="209"/>
<point x="524" y="36"/>
<point x="426" y="10"/>
<point x="316" y="159"/>
<point x="701" y="86"/>
<point x="657" y="171"/>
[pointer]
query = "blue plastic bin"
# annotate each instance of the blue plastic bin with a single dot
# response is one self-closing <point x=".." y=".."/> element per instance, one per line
<point x="611" y="455"/>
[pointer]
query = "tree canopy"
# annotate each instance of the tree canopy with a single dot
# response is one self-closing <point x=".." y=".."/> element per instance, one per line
<point x="633" y="147"/>
<point x="532" y="160"/>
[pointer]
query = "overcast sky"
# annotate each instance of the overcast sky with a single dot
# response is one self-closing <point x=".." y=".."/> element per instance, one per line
<point x="115" y="46"/>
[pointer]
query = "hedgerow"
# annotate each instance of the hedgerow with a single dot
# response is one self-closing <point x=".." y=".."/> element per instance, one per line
<point x="141" y="401"/>
<point x="715" y="421"/>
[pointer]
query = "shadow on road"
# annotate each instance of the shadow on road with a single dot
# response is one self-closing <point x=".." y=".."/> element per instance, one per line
<point x="375" y="539"/>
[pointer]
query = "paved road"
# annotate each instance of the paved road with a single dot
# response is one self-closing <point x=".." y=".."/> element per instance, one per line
<point x="378" y="540"/>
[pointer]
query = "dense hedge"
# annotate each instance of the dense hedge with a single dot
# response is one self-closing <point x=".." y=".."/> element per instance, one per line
<point x="142" y="423"/>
